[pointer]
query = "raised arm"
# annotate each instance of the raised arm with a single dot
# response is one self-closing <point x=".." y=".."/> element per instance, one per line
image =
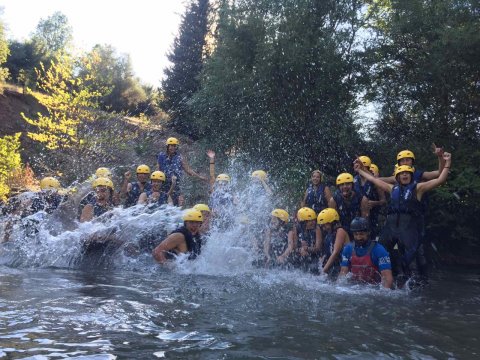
<point x="367" y="175"/>
<point x="125" y="185"/>
<point x="423" y="187"/>
<point x="429" y="175"/>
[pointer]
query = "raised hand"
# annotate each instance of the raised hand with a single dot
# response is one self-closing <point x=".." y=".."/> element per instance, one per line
<point x="127" y="175"/>
<point x="447" y="156"/>
<point x="211" y="154"/>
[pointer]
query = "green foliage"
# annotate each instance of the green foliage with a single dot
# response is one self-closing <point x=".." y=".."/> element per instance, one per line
<point x="111" y="74"/>
<point x="280" y="85"/>
<point x="181" y="79"/>
<point x="53" y="35"/>
<point x="423" y="73"/>
<point x="68" y="102"/>
<point x="4" y="52"/>
<point x="22" y="62"/>
<point x="9" y="161"/>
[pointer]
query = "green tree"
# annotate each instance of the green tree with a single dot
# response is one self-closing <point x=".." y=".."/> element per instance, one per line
<point x="53" y="35"/>
<point x="112" y="74"/>
<point x="280" y="86"/>
<point x="4" y="52"/>
<point x="9" y="161"/>
<point x="182" y="77"/>
<point x="68" y="102"/>
<point x="423" y="75"/>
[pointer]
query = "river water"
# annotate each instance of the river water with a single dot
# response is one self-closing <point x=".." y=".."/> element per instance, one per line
<point x="54" y="304"/>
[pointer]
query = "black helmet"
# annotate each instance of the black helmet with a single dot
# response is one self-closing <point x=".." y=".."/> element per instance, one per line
<point x="359" y="224"/>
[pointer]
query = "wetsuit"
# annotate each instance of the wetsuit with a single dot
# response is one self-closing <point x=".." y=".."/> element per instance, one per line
<point x="316" y="199"/>
<point x="368" y="190"/>
<point x="403" y="227"/>
<point x="194" y="243"/>
<point x="366" y="261"/>
<point x="327" y="250"/>
<point x="171" y="165"/>
<point x="348" y="209"/>
<point x="135" y="192"/>
<point x="279" y="243"/>
<point x="309" y="262"/>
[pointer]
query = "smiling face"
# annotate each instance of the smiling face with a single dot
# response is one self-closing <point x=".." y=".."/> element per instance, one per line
<point x="102" y="192"/>
<point x="156" y="185"/>
<point x="142" y="178"/>
<point x="193" y="226"/>
<point x="171" y="149"/>
<point x="316" y="178"/>
<point x="346" y="189"/>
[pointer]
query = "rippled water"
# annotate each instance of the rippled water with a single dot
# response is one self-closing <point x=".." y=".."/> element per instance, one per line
<point x="104" y="314"/>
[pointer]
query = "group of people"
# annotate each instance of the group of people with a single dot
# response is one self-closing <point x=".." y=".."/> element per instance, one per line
<point x="335" y="232"/>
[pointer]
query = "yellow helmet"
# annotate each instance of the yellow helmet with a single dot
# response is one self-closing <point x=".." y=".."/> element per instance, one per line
<point x="305" y="214"/>
<point x="103" y="172"/>
<point x="202" y="207"/>
<point x="143" y="169"/>
<point x="344" y="178"/>
<point x="327" y="216"/>
<point x="157" y="175"/>
<point x="172" y="141"/>
<point x="223" y="177"/>
<point x="366" y="161"/>
<point x="192" y="215"/>
<point x="259" y="174"/>
<point x="281" y="214"/>
<point x="405" y="154"/>
<point x="102" y="181"/>
<point x="403" y="168"/>
<point x="374" y="169"/>
<point x="49" y="182"/>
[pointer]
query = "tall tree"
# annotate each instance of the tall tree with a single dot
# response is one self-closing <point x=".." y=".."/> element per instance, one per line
<point x="280" y="86"/>
<point x="9" y="161"/>
<point x="182" y="77"/>
<point x="53" y="34"/>
<point x="4" y="52"/>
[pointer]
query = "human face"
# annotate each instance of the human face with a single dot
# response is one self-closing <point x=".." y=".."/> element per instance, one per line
<point x="193" y="226"/>
<point x="405" y="161"/>
<point x="274" y="222"/>
<point x="404" y="178"/>
<point x="102" y="192"/>
<point x="171" y="149"/>
<point x="142" y="178"/>
<point x="310" y="224"/>
<point x="346" y="188"/>
<point x="361" y="237"/>
<point x="316" y="178"/>
<point x="157" y="185"/>
<point x="326" y="227"/>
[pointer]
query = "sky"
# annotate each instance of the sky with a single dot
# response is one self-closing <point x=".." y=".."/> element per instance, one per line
<point x="144" y="29"/>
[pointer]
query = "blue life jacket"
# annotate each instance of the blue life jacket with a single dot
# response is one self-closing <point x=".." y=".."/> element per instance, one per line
<point x="98" y="209"/>
<point x="347" y="209"/>
<point x="170" y="166"/>
<point x="368" y="189"/>
<point x="403" y="200"/>
<point x="329" y="244"/>
<point x="135" y="191"/>
<point x="316" y="199"/>
<point x="162" y="199"/>
<point x="306" y="235"/>
<point x="194" y="243"/>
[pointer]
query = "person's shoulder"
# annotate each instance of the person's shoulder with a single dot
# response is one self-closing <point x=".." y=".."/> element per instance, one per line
<point x="379" y="249"/>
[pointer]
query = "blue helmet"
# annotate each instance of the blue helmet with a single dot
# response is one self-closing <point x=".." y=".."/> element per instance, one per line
<point x="359" y="224"/>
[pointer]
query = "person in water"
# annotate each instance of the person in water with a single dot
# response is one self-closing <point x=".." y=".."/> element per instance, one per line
<point x="90" y="196"/>
<point x="347" y="201"/>
<point x="309" y="240"/>
<point x="335" y="240"/>
<point x="402" y="228"/>
<point x="317" y="194"/>
<point x="375" y="196"/>
<point x="48" y="199"/>
<point x="279" y="242"/>
<point x="102" y="201"/>
<point x="185" y="239"/>
<point x="367" y="260"/>
<point x="172" y="164"/>
<point x="132" y="190"/>
<point x="157" y="195"/>
<point x="206" y="213"/>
